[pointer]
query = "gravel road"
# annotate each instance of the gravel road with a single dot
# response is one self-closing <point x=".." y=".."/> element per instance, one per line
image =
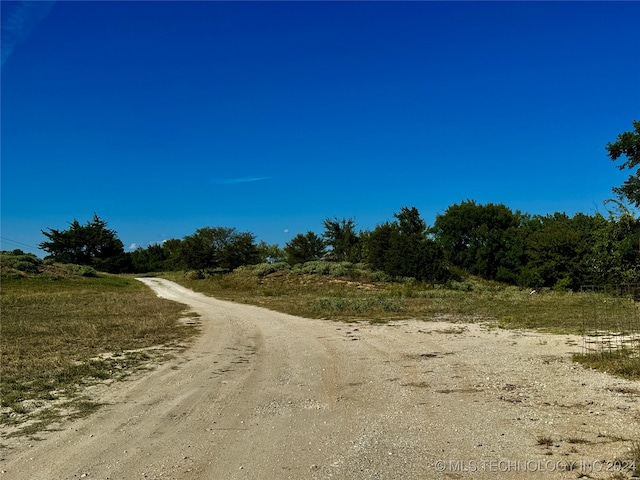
<point x="264" y="395"/>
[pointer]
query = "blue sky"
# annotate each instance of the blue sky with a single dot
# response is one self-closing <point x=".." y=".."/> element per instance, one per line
<point x="164" y="117"/>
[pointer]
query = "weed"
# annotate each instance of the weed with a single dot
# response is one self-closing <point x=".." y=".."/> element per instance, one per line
<point x="620" y="363"/>
<point x="631" y="391"/>
<point x="578" y="440"/>
<point x="544" y="441"/>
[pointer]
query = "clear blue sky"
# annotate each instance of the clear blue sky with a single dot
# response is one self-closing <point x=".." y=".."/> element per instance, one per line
<point x="164" y="117"/>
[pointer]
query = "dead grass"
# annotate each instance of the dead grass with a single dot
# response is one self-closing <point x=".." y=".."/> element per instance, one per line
<point x="354" y="295"/>
<point x="544" y="441"/>
<point x="62" y="332"/>
<point x="347" y="298"/>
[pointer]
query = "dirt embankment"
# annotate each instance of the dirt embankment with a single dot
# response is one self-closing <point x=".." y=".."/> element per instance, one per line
<point x="263" y="395"/>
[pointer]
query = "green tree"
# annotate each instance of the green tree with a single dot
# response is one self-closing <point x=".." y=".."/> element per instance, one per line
<point x="551" y="252"/>
<point x="90" y="244"/>
<point x="628" y="144"/>
<point x="403" y="249"/>
<point x="218" y="248"/>
<point x="271" y="253"/>
<point x="174" y="261"/>
<point x="240" y="250"/>
<point x="410" y="223"/>
<point x="615" y="256"/>
<point x="381" y="248"/>
<point x="341" y="236"/>
<point x="559" y="252"/>
<point x="150" y="259"/>
<point x="481" y="239"/>
<point x="305" y="248"/>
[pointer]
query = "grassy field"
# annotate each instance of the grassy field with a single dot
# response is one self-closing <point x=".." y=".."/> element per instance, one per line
<point x="66" y="327"/>
<point x="355" y="294"/>
<point x="62" y="331"/>
<point x="344" y="292"/>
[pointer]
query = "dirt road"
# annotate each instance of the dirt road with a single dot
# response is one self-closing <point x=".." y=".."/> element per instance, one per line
<point x="263" y="395"/>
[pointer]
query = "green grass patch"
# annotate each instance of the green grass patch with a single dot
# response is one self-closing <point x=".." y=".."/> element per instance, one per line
<point x="620" y="363"/>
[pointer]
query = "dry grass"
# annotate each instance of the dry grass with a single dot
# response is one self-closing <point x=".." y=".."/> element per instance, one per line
<point x="57" y="325"/>
<point x="544" y="441"/>
<point x="354" y="295"/>
<point x="56" y="330"/>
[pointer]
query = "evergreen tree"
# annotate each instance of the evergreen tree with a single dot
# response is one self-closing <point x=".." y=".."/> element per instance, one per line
<point x="90" y="244"/>
<point x="305" y="248"/>
<point x="341" y="236"/>
<point x="403" y="249"/>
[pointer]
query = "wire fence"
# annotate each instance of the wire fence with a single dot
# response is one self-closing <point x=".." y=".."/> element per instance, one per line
<point x="611" y="319"/>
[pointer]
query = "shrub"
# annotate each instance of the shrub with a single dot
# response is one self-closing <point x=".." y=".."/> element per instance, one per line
<point x="317" y="266"/>
<point x="355" y="305"/>
<point x="195" y="275"/>
<point x="87" y="271"/>
<point x="338" y="271"/>
<point x="24" y="262"/>
<point x="25" y="266"/>
<point x="82" y="270"/>
<point x="379" y="276"/>
<point x="465" y="286"/>
<point x="263" y="269"/>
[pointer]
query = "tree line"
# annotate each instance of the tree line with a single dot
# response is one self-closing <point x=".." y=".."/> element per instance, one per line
<point x="490" y="240"/>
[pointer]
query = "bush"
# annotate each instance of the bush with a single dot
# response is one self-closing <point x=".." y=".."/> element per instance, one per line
<point x="87" y="271"/>
<point x="263" y="269"/>
<point x="195" y="275"/>
<point x="465" y="286"/>
<point x="23" y="266"/>
<point x="357" y="305"/>
<point x="321" y="267"/>
<point x="338" y="270"/>
<point x="83" y="270"/>
<point x="379" y="276"/>
<point x="24" y="262"/>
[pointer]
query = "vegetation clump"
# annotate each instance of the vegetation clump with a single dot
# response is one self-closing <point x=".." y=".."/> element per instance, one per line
<point x="17" y="263"/>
